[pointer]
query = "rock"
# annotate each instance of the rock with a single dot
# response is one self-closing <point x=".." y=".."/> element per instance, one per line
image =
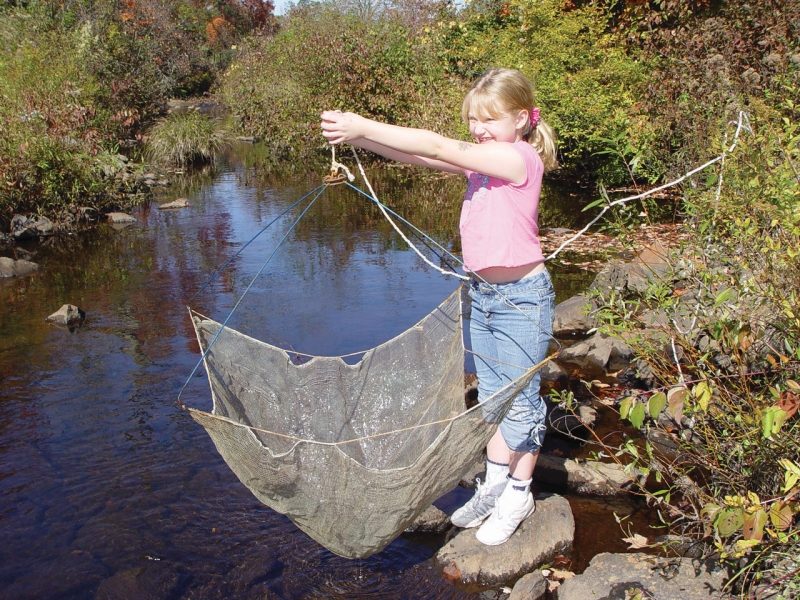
<point x="619" y="576"/>
<point x="651" y="263"/>
<point x="150" y="581"/>
<point x="432" y="520"/>
<point x="118" y="217"/>
<point x="23" y="254"/>
<point x="569" y="422"/>
<point x="795" y="58"/>
<point x="175" y="204"/>
<point x="67" y="315"/>
<point x="29" y="227"/>
<point x="16" y="268"/>
<point x="20" y="228"/>
<point x="612" y="277"/>
<point x="557" y="231"/>
<point x="751" y="76"/>
<point x="598" y="354"/>
<point x="549" y="531"/>
<point x="552" y="372"/>
<point x="87" y="213"/>
<point x="573" y="316"/>
<point x="44" y="226"/>
<point x="531" y="587"/>
<point x="475" y="471"/>
<point x="681" y="317"/>
<point x="586" y="477"/>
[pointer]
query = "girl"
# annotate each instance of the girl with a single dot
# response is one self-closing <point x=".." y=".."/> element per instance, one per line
<point x="512" y="296"/>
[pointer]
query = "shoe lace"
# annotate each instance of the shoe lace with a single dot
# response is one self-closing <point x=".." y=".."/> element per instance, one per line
<point x="482" y="489"/>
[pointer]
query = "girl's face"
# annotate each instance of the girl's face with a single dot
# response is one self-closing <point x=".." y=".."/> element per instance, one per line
<point x="507" y="127"/>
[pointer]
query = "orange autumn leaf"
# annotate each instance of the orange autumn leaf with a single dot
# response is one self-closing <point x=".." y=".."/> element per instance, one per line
<point x="789" y="403"/>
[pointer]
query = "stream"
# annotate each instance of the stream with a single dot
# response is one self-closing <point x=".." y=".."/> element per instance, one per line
<point x="108" y="489"/>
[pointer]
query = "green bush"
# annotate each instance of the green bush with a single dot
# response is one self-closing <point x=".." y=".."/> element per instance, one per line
<point x="587" y="85"/>
<point x="709" y="60"/>
<point x="724" y="363"/>
<point x="48" y="136"/>
<point x="327" y="59"/>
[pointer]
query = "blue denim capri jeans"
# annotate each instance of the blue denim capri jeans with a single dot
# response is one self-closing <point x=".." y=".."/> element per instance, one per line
<point x="513" y="323"/>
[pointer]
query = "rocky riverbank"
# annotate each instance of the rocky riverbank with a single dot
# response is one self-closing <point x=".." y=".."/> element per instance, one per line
<point x="527" y="560"/>
<point x="135" y="184"/>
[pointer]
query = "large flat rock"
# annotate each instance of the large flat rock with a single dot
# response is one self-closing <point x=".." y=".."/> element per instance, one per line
<point x="618" y="576"/>
<point x="547" y="533"/>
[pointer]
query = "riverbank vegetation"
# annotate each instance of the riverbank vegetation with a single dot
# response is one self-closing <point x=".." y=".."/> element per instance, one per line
<point x="82" y="80"/>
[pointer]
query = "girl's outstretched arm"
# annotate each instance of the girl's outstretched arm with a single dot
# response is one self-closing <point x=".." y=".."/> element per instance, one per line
<point x="497" y="160"/>
<point x="404" y="157"/>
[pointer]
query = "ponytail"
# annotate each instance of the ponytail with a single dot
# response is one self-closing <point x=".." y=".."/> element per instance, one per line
<point x="543" y="139"/>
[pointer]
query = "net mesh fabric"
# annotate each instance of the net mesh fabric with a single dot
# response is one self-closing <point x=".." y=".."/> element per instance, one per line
<point x="352" y="454"/>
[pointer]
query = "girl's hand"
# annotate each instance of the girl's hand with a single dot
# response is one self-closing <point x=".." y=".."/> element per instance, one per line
<point x="338" y="127"/>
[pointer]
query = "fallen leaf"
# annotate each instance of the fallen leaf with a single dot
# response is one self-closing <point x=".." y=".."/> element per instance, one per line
<point x="636" y="542"/>
<point x="789" y="402"/>
<point x="561" y="575"/>
<point x="451" y="572"/>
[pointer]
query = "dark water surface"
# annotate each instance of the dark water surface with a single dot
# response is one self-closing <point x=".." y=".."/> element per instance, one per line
<point x="108" y="489"/>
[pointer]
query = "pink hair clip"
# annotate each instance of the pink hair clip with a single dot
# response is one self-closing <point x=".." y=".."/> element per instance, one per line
<point x="535" y="117"/>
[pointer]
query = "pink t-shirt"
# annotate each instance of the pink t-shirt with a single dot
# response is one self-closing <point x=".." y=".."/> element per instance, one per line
<point x="499" y="220"/>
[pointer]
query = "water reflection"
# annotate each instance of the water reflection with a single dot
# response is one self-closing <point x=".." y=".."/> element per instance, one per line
<point x="107" y="487"/>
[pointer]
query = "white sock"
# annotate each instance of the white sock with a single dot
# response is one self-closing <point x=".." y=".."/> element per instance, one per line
<point x="515" y="493"/>
<point x="496" y="474"/>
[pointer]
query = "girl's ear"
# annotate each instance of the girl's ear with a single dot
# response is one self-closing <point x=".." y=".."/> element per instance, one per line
<point x="523" y="116"/>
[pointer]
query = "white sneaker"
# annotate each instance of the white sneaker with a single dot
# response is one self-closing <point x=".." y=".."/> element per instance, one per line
<point x="503" y="522"/>
<point x="480" y="506"/>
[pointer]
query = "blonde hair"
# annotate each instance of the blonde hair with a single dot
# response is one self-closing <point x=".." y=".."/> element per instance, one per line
<point x="501" y="91"/>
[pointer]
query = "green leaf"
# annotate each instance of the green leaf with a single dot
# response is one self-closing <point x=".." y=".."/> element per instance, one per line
<point x="729" y="520"/>
<point x="767" y="417"/>
<point x="637" y="415"/>
<point x="723" y="297"/>
<point x="593" y="204"/>
<point x="625" y="407"/>
<point x="656" y="404"/>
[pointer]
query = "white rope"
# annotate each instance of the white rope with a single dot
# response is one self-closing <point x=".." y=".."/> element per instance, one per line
<point x="741" y="125"/>
<point x="337" y="165"/>
<point x="396" y="228"/>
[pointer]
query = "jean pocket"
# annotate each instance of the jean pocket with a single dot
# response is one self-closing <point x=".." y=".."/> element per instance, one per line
<point x="528" y="300"/>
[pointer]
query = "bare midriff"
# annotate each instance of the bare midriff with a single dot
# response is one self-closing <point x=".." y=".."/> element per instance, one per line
<point x="508" y="274"/>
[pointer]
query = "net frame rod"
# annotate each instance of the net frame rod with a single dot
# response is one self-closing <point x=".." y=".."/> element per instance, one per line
<point x="319" y="191"/>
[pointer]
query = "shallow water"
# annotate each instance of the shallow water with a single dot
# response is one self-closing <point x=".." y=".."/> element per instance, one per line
<point x="107" y="487"/>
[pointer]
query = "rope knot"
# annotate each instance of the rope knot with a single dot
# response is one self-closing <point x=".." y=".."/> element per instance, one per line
<point x="335" y="178"/>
